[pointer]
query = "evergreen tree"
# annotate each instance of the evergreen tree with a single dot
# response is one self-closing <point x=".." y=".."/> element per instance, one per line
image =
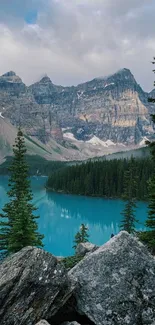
<point x="18" y="226"/>
<point x="84" y="233"/>
<point x="130" y="191"/>
<point x="101" y="178"/>
<point x="77" y="239"/>
<point x="81" y="236"/>
<point x="149" y="235"/>
<point x="152" y="100"/>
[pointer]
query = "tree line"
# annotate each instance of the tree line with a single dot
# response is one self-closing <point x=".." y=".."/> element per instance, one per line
<point x="102" y="178"/>
<point x="37" y="165"/>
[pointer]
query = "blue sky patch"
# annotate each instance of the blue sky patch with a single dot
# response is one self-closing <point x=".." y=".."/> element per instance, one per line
<point x="31" y="17"/>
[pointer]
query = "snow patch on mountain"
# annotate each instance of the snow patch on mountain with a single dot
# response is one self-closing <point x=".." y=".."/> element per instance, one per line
<point x="79" y="94"/>
<point x="69" y="136"/>
<point x="1" y="115"/>
<point x="142" y="142"/>
<point x="107" y="85"/>
<point x="96" y="141"/>
<point x="110" y="143"/>
<point x="64" y="129"/>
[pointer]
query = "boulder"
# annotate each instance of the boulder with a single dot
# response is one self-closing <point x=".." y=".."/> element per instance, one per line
<point x="60" y="258"/>
<point x="71" y="323"/>
<point x="84" y="248"/>
<point x="42" y="322"/>
<point x="33" y="286"/>
<point x="117" y="283"/>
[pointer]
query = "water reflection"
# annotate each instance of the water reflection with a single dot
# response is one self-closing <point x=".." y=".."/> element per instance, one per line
<point x="61" y="216"/>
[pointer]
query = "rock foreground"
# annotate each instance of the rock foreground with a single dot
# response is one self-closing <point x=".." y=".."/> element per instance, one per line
<point x="114" y="285"/>
<point x="33" y="286"/>
<point x="117" y="283"/>
<point x="85" y="248"/>
<point x="42" y="322"/>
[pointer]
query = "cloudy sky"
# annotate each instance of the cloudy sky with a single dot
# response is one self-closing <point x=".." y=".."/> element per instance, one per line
<point x="76" y="40"/>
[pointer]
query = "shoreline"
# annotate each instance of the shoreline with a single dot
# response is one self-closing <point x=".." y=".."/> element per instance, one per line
<point x="49" y="189"/>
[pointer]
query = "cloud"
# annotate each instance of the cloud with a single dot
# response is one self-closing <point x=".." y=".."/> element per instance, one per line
<point x="74" y="41"/>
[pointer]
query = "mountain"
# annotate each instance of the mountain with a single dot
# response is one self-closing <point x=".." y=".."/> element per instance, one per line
<point x="50" y="151"/>
<point x="152" y="94"/>
<point x="7" y="137"/>
<point x="113" y="109"/>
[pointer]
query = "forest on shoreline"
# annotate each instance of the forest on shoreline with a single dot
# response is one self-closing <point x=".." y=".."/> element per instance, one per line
<point x="101" y="178"/>
<point x="37" y="165"/>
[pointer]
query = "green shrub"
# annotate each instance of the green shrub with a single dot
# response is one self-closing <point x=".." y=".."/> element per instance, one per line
<point x="70" y="261"/>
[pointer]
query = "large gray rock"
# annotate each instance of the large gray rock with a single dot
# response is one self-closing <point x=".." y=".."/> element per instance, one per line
<point x="117" y="283"/>
<point x="33" y="286"/>
<point x="84" y="248"/>
<point x="42" y="322"/>
<point x="71" y="323"/>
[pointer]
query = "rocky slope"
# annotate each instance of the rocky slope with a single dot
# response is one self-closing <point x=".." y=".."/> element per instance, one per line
<point x="113" y="285"/>
<point x="113" y="109"/>
<point x="33" y="285"/>
<point x="7" y="137"/>
<point x="50" y="151"/>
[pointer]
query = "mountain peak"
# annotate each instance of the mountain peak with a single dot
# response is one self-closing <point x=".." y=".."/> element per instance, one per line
<point x="45" y="80"/>
<point x="10" y="77"/>
<point x="9" y="74"/>
<point x="123" y="75"/>
<point x="124" y="71"/>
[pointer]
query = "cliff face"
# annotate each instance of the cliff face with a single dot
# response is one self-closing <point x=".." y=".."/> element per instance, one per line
<point x="112" y="108"/>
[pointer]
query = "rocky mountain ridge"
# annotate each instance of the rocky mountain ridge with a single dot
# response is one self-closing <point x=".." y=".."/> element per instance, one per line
<point x="114" y="108"/>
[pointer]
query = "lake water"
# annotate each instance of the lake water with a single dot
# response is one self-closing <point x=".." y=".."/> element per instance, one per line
<point x="61" y="215"/>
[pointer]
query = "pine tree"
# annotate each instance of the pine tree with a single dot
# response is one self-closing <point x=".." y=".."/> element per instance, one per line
<point x="149" y="235"/>
<point x="84" y="233"/>
<point x="128" y="221"/>
<point x="18" y="224"/>
<point x="77" y="239"/>
<point x="106" y="177"/>
<point x="130" y="190"/>
<point x="152" y="100"/>
<point x="81" y="236"/>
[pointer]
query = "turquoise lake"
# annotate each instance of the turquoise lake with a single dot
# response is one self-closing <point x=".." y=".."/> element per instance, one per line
<point x="61" y="215"/>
